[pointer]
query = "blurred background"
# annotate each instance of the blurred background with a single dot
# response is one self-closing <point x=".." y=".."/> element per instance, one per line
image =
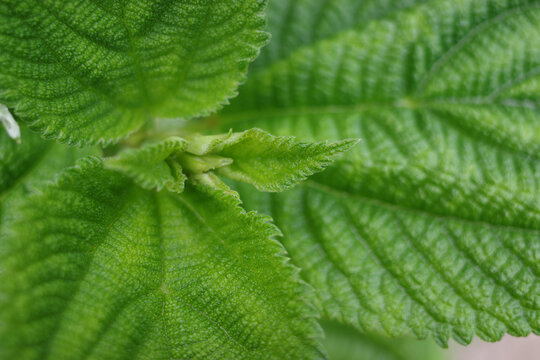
<point x="344" y="343"/>
<point x="510" y="348"/>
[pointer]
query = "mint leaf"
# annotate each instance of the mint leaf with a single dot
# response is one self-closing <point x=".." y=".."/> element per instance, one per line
<point x="153" y="166"/>
<point x="430" y="225"/>
<point x="86" y="71"/>
<point x="111" y="271"/>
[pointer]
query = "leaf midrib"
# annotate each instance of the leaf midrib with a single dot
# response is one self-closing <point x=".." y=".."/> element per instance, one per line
<point x="340" y="193"/>
<point x="162" y="285"/>
<point x="227" y="120"/>
<point x="403" y="103"/>
<point x="190" y="207"/>
<point x="413" y="100"/>
<point x="136" y="61"/>
<point x="275" y="310"/>
<point x="130" y="198"/>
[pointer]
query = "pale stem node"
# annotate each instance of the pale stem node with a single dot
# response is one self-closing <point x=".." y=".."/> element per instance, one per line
<point x="10" y="124"/>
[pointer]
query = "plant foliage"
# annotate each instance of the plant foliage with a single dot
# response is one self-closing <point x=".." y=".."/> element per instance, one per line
<point x="85" y="71"/>
<point x="430" y="225"/>
<point x="162" y="244"/>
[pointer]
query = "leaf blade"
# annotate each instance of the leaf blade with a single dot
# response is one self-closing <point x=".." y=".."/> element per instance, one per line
<point x="86" y="72"/>
<point x="150" y="166"/>
<point x="149" y="274"/>
<point x="267" y="162"/>
<point x="273" y="163"/>
<point x="429" y="226"/>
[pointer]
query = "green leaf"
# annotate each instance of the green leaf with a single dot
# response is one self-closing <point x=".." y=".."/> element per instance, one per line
<point x="431" y="225"/>
<point x="268" y="162"/>
<point x="111" y="271"/>
<point x="152" y="166"/>
<point x="24" y="166"/>
<point x="297" y="24"/>
<point x="346" y="343"/>
<point x="82" y="71"/>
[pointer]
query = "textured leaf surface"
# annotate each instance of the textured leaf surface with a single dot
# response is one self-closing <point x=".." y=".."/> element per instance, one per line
<point x="431" y="225"/>
<point x="151" y="166"/>
<point x="346" y="343"/>
<point x="268" y="162"/>
<point x="86" y="71"/>
<point x="110" y="271"/>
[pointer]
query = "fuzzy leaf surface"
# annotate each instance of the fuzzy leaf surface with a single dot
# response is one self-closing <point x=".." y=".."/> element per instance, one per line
<point x="272" y="163"/>
<point x="431" y="225"/>
<point x="152" y="166"/>
<point x="112" y="271"/>
<point x="254" y="156"/>
<point x="84" y="71"/>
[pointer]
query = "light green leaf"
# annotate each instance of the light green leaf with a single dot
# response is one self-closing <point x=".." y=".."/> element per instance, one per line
<point x="431" y="225"/>
<point x="153" y="166"/>
<point x="111" y="271"/>
<point x="83" y="71"/>
<point x="346" y="343"/>
<point x="268" y="162"/>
